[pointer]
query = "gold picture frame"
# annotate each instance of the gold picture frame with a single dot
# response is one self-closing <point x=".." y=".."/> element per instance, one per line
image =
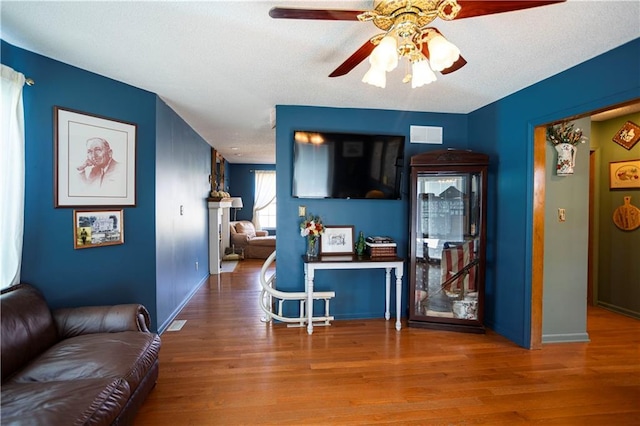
<point x="97" y="228"/>
<point x="624" y="174"/>
<point x="628" y="135"/>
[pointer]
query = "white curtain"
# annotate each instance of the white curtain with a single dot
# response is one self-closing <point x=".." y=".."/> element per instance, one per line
<point x="265" y="193"/>
<point x="11" y="177"/>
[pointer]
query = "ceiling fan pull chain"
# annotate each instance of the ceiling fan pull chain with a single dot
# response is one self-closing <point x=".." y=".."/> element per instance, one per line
<point x="408" y="76"/>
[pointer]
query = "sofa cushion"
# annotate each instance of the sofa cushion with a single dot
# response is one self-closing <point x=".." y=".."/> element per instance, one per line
<point x="246" y="227"/>
<point x="263" y="241"/>
<point x="128" y="354"/>
<point x="27" y="327"/>
<point x="80" y="402"/>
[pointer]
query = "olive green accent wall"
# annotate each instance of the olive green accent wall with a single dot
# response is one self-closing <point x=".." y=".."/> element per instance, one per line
<point x="617" y="252"/>
<point x="564" y="314"/>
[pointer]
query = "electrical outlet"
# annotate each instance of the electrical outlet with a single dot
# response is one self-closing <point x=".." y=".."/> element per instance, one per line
<point x="562" y="215"/>
<point x="181" y="210"/>
<point x="302" y="211"/>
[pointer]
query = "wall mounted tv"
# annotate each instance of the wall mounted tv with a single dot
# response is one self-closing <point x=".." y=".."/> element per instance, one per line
<point x="346" y="165"/>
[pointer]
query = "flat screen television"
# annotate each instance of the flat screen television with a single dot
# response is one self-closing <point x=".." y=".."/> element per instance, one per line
<point x="347" y="165"/>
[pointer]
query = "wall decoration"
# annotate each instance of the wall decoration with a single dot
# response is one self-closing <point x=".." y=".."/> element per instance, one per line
<point x="628" y="135"/>
<point x="97" y="228"/>
<point x="627" y="216"/>
<point x="95" y="160"/>
<point x="624" y="174"/>
<point x="337" y="240"/>
<point x="565" y="140"/>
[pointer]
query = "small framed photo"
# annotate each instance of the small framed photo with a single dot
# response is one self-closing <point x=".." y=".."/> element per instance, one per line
<point x="624" y="174"/>
<point x="95" y="160"/>
<point x="337" y="240"/>
<point x="628" y="135"/>
<point x="97" y="228"/>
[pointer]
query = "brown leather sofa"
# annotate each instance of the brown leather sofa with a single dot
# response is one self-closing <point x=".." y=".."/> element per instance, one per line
<point x="254" y="244"/>
<point x="89" y="365"/>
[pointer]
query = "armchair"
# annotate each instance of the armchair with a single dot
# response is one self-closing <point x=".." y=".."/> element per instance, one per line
<point x="254" y="243"/>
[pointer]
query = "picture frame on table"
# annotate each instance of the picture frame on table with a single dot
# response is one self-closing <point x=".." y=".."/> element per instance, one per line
<point x="624" y="174"/>
<point x="95" y="160"/>
<point x="628" y="135"/>
<point x="97" y="228"/>
<point x="337" y="240"/>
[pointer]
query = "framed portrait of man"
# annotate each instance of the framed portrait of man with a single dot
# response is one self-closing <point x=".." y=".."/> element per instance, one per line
<point x="95" y="160"/>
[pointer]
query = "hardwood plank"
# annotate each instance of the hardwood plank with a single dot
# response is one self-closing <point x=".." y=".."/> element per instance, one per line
<point x="226" y="367"/>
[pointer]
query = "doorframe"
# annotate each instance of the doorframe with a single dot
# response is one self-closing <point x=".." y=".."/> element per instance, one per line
<point x="537" y="245"/>
<point x="590" y="258"/>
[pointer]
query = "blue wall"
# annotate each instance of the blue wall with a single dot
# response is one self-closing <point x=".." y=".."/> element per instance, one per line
<point x="105" y="275"/>
<point x="359" y="293"/>
<point x="504" y="130"/>
<point x="183" y="165"/>
<point x="242" y="184"/>
<point x="121" y="273"/>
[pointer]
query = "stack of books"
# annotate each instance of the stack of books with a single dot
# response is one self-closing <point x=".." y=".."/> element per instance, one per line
<point x="380" y="247"/>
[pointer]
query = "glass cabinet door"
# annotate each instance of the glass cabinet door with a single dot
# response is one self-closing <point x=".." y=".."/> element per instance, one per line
<point x="447" y="244"/>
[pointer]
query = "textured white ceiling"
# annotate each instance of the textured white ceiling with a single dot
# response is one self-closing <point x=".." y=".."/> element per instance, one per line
<point x="223" y="65"/>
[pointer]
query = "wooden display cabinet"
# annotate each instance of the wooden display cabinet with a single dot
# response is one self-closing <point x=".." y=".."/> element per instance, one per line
<point x="448" y="240"/>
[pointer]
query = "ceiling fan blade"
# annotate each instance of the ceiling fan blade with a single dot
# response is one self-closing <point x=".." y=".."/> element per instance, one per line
<point x="353" y="60"/>
<point x="471" y="8"/>
<point x="331" y="15"/>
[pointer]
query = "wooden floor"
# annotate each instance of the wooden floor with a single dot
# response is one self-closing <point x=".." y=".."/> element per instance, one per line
<point x="225" y="367"/>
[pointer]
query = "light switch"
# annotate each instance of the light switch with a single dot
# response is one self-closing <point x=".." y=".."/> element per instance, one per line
<point x="302" y="211"/>
<point x="561" y="215"/>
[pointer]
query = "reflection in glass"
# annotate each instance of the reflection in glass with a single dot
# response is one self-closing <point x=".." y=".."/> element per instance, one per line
<point x="447" y="245"/>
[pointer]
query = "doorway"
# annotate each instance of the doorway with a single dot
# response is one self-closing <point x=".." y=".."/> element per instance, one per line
<point x="538" y="206"/>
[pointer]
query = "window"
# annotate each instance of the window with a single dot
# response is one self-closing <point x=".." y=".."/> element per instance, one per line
<point x="268" y="216"/>
<point x="264" y="206"/>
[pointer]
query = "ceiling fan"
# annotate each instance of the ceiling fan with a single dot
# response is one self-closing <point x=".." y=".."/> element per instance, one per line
<point x="407" y="34"/>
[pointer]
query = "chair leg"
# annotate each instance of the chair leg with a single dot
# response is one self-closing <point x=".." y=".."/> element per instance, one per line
<point x="326" y="310"/>
<point x="302" y="312"/>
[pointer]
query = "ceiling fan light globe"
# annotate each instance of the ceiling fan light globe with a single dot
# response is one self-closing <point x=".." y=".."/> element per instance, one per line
<point x="385" y="54"/>
<point x="422" y="74"/>
<point x="442" y="53"/>
<point x="375" y="77"/>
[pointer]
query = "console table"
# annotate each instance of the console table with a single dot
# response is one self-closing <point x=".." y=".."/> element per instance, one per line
<point x="354" y="262"/>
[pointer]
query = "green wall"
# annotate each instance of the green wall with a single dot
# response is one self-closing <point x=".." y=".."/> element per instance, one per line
<point x="564" y="316"/>
<point x="617" y="252"/>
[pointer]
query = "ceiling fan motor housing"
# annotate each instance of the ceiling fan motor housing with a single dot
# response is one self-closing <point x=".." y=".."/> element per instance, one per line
<point x="413" y="14"/>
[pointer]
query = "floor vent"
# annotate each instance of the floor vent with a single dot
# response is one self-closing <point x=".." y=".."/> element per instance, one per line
<point x="176" y="325"/>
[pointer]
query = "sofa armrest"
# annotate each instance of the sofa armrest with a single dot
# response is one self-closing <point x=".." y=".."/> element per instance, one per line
<point x="101" y="319"/>
<point x="262" y="233"/>
<point x="240" y="239"/>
